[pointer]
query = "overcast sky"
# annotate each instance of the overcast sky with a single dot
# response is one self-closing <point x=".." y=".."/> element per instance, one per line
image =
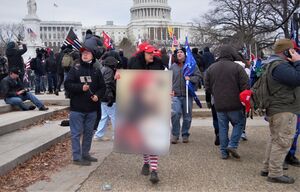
<point x="95" y="12"/>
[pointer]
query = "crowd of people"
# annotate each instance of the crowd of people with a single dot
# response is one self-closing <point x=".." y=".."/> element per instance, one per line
<point x="90" y="76"/>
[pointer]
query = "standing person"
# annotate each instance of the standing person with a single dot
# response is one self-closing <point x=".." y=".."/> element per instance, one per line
<point x="108" y="102"/>
<point x="15" y="94"/>
<point x="86" y="87"/>
<point x="60" y="69"/>
<point x="208" y="58"/>
<point x="51" y="70"/>
<point x="179" y="106"/>
<point x="124" y="60"/>
<point x="14" y="56"/>
<point x="164" y="57"/>
<point x="225" y="80"/>
<point x="37" y="66"/>
<point x="145" y="60"/>
<point x="199" y="62"/>
<point x="3" y="67"/>
<point x="283" y="81"/>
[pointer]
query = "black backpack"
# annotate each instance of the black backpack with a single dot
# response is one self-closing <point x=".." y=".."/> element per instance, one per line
<point x="33" y="64"/>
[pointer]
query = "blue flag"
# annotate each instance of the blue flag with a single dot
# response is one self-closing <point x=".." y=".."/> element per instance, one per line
<point x="295" y="31"/>
<point x="188" y="70"/>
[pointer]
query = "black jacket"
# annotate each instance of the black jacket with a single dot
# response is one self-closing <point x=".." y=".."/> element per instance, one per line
<point x="225" y="80"/>
<point x="14" y="57"/>
<point x="208" y="58"/>
<point x="80" y="74"/>
<point x="51" y="66"/>
<point x="138" y="62"/>
<point x="9" y="87"/>
<point x="108" y="72"/>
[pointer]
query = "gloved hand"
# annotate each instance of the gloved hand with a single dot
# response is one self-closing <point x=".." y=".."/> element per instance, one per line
<point x="209" y="105"/>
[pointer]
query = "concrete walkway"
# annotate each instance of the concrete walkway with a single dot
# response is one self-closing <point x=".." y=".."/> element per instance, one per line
<point x="195" y="166"/>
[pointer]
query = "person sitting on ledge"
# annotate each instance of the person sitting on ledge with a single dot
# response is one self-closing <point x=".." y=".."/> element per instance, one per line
<point x="15" y="94"/>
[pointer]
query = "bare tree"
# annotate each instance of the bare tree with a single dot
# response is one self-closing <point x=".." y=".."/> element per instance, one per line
<point x="10" y="32"/>
<point x="239" y="22"/>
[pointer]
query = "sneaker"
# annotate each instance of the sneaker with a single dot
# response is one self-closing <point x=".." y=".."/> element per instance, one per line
<point x="56" y="92"/>
<point x="101" y="138"/>
<point x="154" y="177"/>
<point x="244" y="136"/>
<point x="31" y="107"/>
<point x="292" y="160"/>
<point x="90" y="158"/>
<point x="43" y="108"/>
<point x="264" y="173"/>
<point x="233" y="152"/>
<point x="283" y="179"/>
<point x="185" y="139"/>
<point x="81" y="162"/>
<point x="174" y="140"/>
<point x="217" y="140"/>
<point x="145" y="169"/>
<point x="224" y="156"/>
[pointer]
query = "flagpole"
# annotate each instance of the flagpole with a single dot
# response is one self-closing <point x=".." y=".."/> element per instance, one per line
<point x="187" y="96"/>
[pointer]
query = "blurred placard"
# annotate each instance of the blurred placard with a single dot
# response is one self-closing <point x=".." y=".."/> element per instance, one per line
<point x="143" y="112"/>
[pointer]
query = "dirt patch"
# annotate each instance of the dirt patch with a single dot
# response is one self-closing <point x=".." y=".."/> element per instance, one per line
<point x="39" y="167"/>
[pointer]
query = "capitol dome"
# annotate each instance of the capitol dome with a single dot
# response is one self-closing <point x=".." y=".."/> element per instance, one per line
<point x="150" y="10"/>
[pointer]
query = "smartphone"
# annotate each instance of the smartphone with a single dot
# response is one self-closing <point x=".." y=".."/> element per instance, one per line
<point x="287" y="53"/>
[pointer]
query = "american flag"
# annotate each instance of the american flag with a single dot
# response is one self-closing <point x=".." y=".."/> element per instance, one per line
<point x="27" y="67"/>
<point x="31" y="32"/>
<point x="73" y="40"/>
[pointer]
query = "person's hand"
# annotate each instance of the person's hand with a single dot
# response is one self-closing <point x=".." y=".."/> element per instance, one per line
<point x="209" y="105"/>
<point x="85" y="87"/>
<point x="117" y="75"/>
<point x="95" y="98"/>
<point x="187" y="78"/>
<point x="21" y="92"/>
<point x="295" y="56"/>
<point x="172" y="94"/>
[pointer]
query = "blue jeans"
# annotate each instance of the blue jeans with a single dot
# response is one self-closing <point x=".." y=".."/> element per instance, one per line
<point x="81" y="123"/>
<point x="19" y="101"/>
<point x="293" y="149"/>
<point x="52" y="81"/>
<point x="38" y="83"/>
<point x="107" y="113"/>
<point x="179" y="108"/>
<point x="237" y="119"/>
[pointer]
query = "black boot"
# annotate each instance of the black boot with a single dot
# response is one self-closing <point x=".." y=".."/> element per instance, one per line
<point x="145" y="170"/>
<point x="154" y="177"/>
<point x="292" y="160"/>
<point x="217" y="140"/>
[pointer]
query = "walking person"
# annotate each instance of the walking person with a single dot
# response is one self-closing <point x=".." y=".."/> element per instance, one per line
<point x="145" y="60"/>
<point x="108" y="102"/>
<point x="86" y="87"/>
<point x="225" y="80"/>
<point x="179" y="105"/>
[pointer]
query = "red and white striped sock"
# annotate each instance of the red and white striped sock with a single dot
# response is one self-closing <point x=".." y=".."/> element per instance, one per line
<point x="153" y="162"/>
<point x="146" y="159"/>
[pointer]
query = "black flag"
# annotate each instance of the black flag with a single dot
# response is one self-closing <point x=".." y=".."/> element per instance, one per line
<point x="73" y="40"/>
